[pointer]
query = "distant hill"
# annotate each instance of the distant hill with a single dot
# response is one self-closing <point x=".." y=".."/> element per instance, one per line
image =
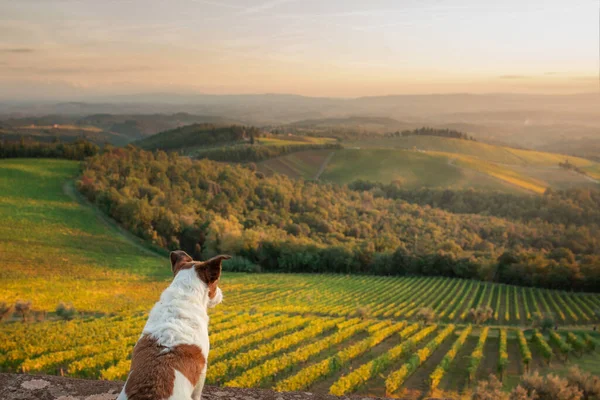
<point x="529" y="121"/>
<point x="373" y="124"/>
<point x="198" y="135"/>
<point x="584" y="147"/>
<point x="117" y="129"/>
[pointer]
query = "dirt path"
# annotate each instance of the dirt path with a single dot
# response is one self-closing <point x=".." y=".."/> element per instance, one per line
<point x="515" y="367"/>
<point x="324" y="165"/>
<point x="69" y="189"/>
<point x="489" y="364"/>
<point x="455" y="380"/>
<point x="417" y="385"/>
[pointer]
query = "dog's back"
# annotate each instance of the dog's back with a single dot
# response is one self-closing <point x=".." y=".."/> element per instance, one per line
<point x="169" y="359"/>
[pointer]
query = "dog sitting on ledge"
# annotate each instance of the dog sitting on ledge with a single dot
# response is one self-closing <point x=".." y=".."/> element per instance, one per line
<point x="169" y="359"/>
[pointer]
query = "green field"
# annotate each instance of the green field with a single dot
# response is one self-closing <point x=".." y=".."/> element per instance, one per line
<point x="411" y="169"/>
<point x="427" y="161"/>
<point x="287" y="332"/>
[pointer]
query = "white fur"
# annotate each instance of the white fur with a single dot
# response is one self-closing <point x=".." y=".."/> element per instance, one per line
<point x="180" y="315"/>
<point x="178" y="318"/>
<point x="182" y="389"/>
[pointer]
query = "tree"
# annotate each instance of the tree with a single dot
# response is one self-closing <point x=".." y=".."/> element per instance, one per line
<point x="481" y="314"/>
<point x="23" y="308"/>
<point x="544" y="321"/>
<point x="425" y="315"/>
<point x="65" y="311"/>
<point x="490" y="389"/>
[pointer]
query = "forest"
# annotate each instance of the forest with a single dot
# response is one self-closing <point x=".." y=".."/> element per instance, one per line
<point x="198" y="135"/>
<point x="283" y="225"/>
<point x="425" y="131"/>
<point x="575" y="206"/>
<point x="25" y="148"/>
<point x="244" y="153"/>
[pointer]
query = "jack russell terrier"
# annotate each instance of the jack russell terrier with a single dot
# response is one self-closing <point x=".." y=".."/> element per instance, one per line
<point x="169" y="359"/>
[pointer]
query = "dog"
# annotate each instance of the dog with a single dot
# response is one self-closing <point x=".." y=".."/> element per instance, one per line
<point x="169" y="359"/>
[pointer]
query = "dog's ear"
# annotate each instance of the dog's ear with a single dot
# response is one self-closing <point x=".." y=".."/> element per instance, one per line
<point x="212" y="268"/>
<point x="177" y="257"/>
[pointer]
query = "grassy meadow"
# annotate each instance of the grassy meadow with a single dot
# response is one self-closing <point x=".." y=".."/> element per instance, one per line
<point x="320" y="333"/>
<point x="437" y="162"/>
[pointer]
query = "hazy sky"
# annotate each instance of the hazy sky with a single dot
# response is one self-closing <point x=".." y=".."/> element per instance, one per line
<point x="70" y="48"/>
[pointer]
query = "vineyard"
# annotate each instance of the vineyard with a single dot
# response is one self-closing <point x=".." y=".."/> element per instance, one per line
<point x="291" y="351"/>
<point x="320" y="333"/>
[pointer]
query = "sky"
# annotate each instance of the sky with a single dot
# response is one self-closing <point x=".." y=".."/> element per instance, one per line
<point x="334" y="48"/>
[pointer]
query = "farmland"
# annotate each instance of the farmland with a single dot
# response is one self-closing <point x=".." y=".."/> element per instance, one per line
<point x="327" y="333"/>
<point x="427" y="161"/>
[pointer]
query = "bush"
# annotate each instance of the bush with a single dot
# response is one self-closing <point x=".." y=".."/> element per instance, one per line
<point x="23" y="308"/>
<point x="550" y="387"/>
<point x="490" y="389"/>
<point x="544" y="321"/>
<point x="426" y="315"/>
<point x="481" y="314"/>
<point x="65" y="311"/>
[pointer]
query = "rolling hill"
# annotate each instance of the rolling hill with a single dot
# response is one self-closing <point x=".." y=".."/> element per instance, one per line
<point x="427" y="161"/>
<point x="117" y="129"/>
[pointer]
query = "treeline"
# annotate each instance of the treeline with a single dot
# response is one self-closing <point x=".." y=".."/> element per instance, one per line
<point x="288" y="225"/>
<point x="569" y="207"/>
<point x="425" y="131"/>
<point x="254" y="153"/>
<point x="198" y="135"/>
<point x="23" y="148"/>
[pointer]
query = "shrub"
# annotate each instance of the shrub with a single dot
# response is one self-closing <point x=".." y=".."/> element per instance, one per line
<point x="65" y="311"/>
<point x="23" y="308"/>
<point x="544" y="321"/>
<point x="481" y="314"/>
<point x="490" y="389"/>
<point x="586" y="382"/>
<point x="550" y="387"/>
<point x="425" y="315"/>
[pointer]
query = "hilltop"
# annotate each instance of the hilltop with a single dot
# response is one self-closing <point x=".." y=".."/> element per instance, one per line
<point x="438" y="162"/>
<point x="198" y="135"/>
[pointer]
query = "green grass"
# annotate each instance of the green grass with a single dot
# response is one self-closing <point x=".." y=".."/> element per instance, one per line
<point x="484" y="151"/>
<point x="49" y="241"/>
<point x="411" y="168"/>
<point x="478" y="165"/>
<point x="294" y="140"/>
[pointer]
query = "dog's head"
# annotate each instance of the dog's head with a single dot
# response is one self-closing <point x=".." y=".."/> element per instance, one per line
<point x="208" y="272"/>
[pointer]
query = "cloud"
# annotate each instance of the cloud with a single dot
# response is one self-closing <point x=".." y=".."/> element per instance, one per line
<point x="514" y="77"/>
<point x="19" y="50"/>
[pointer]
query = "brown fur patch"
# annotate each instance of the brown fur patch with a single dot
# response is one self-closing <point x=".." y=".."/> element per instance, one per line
<point x="179" y="259"/>
<point x="208" y="272"/>
<point x="152" y="375"/>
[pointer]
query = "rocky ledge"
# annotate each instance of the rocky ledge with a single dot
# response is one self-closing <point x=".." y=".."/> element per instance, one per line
<point x="44" y="387"/>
